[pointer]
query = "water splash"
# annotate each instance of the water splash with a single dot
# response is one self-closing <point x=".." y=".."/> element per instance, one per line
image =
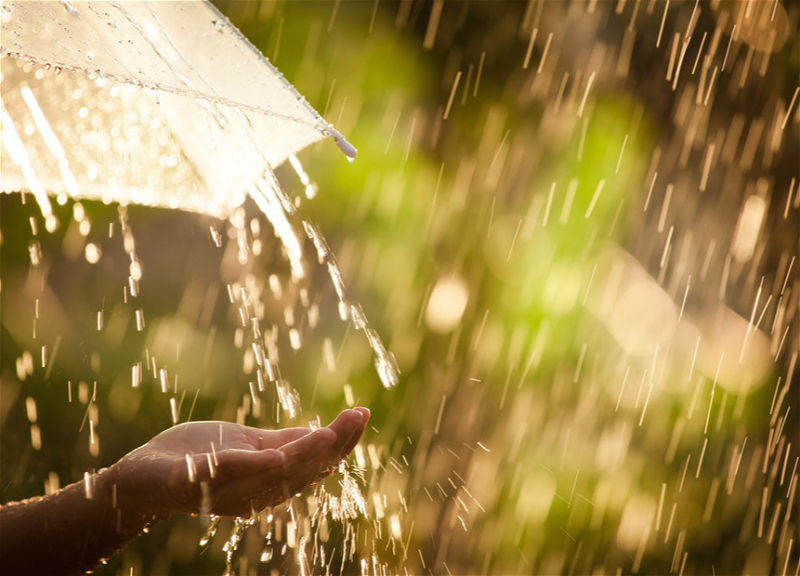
<point x="231" y="546"/>
<point x="210" y="531"/>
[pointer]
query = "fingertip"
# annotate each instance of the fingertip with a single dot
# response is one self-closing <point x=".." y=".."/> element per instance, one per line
<point x="349" y="416"/>
<point x="365" y="414"/>
<point x="358" y="431"/>
<point x="348" y="422"/>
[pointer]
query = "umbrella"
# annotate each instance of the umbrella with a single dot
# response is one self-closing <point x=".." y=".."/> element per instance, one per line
<point x="160" y="104"/>
<point x="153" y="103"/>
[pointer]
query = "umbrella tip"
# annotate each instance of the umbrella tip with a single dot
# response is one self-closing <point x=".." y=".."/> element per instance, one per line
<point x="345" y="146"/>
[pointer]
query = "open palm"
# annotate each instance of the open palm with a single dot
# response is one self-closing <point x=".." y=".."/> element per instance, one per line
<point x="228" y="469"/>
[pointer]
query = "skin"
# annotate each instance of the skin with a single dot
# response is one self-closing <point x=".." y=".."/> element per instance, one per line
<point x="247" y="470"/>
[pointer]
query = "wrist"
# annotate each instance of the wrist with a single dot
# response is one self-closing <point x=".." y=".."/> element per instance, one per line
<point x="135" y="508"/>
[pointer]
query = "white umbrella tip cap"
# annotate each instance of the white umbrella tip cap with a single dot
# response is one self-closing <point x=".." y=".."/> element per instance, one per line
<point x="345" y="146"/>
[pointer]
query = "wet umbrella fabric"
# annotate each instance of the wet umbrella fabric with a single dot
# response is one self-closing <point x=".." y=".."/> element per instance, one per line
<point x="153" y="103"/>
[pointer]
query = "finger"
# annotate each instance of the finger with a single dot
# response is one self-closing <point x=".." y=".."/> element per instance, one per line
<point x="345" y="425"/>
<point x="314" y="456"/>
<point x="266" y="439"/>
<point x="308" y="447"/>
<point x="365" y="414"/>
<point x="239" y="462"/>
<point x="348" y="427"/>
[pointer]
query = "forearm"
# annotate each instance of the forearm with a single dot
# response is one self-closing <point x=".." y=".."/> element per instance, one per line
<point x="68" y="532"/>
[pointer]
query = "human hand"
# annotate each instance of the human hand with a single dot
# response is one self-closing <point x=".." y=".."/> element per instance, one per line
<point x="230" y="469"/>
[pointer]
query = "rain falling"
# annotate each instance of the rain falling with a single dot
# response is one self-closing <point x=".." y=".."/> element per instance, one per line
<point x="562" y="272"/>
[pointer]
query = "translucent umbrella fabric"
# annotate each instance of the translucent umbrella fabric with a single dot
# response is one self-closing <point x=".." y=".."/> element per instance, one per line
<point x="154" y="103"/>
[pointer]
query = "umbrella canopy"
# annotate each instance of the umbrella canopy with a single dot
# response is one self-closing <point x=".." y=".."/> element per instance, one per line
<point x="154" y="103"/>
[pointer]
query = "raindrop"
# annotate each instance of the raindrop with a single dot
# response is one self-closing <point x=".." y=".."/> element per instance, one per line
<point x="69" y="7"/>
<point x="387" y="370"/>
<point x="266" y="553"/>
<point x="210" y="531"/>
<point x="51" y="223"/>
<point x="35" y="251"/>
<point x="92" y="253"/>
